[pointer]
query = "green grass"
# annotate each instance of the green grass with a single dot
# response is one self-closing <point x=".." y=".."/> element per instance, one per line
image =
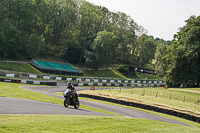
<point x="58" y="123"/>
<point x="101" y="73"/>
<point x="87" y="124"/>
<point x="139" y="75"/>
<point x="162" y="100"/>
<point x="147" y="111"/>
<point x="27" y="68"/>
<point x="14" y="90"/>
<point x="24" y="67"/>
<point x="20" y="67"/>
<point x="112" y="73"/>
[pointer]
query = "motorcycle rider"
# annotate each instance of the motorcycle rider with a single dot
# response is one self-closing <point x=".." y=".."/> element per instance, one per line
<point x="70" y="89"/>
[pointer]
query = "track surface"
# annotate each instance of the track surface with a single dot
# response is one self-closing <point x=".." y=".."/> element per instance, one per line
<point x="24" y="106"/>
<point x="119" y="110"/>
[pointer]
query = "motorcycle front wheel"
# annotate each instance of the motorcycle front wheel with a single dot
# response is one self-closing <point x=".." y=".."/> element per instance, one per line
<point x="66" y="102"/>
<point x="76" y="105"/>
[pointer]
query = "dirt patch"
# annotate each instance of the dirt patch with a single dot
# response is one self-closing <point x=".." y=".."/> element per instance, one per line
<point x="186" y="90"/>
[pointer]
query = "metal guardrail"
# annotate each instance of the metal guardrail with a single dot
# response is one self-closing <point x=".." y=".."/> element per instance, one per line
<point x="28" y="82"/>
<point x="85" y="79"/>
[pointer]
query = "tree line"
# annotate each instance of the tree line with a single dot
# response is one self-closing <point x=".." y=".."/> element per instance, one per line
<point x="74" y="30"/>
<point x="85" y="34"/>
<point x="180" y="62"/>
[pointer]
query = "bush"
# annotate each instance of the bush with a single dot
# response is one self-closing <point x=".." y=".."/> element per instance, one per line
<point x="122" y="69"/>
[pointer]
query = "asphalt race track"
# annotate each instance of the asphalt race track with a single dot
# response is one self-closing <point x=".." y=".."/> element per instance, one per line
<point x="21" y="106"/>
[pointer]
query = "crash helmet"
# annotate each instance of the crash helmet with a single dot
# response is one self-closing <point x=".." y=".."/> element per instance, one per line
<point x="69" y="84"/>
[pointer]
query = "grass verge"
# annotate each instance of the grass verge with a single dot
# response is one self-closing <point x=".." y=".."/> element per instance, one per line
<point x="147" y="111"/>
<point x="57" y="123"/>
<point x="162" y="102"/>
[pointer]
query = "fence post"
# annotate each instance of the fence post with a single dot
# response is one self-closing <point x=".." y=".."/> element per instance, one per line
<point x="143" y="93"/>
<point x="120" y="90"/>
<point x="198" y="102"/>
<point x="132" y="91"/>
<point x="170" y="96"/>
<point x="184" y="99"/>
<point x="157" y="94"/>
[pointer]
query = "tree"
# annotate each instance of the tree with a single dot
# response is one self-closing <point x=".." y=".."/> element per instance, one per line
<point x="160" y="62"/>
<point x="183" y="55"/>
<point x="103" y="50"/>
<point x="68" y="29"/>
<point x="10" y="40"/>
<point x="90" y="20"/>
<point x="34" y="46"/>
<point x="146" y="49"/>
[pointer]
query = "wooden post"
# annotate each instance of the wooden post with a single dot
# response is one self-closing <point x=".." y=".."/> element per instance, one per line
<point x="184" y="99"/>
<point x="132" y="91"/>
<point x="157" y="94"/>
<point x="143" y="93"/>
<point x="170" y="96"/>
<point x="120" y="90"/>
<point x="198" y="102"/>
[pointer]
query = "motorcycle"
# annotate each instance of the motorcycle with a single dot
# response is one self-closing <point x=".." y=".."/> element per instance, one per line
<point x="71" y="98"/>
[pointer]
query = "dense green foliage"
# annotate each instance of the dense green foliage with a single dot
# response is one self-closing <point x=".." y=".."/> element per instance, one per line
<point x="74" y="30"/>
<point x="180" y="61"/>
<point x="122" y="69"/>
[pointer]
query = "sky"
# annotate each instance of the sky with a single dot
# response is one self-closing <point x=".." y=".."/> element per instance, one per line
<point x="162" y="18"/>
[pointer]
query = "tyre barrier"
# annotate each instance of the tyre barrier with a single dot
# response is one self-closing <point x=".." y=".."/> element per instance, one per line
<point x="29" y="82"/>
<point x="147" y="107"/>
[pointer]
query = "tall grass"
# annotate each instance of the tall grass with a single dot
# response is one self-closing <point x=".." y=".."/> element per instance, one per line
<point x="167" y="98"/>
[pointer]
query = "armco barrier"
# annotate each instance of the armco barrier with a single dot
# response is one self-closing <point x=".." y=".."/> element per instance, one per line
<point x="28" y="82"/>
<point x="147" y="107"/>
<point x="87" y="79"/>
<point x="118" y="85"/>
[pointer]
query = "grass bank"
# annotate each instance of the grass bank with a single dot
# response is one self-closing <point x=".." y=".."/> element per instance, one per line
<point x="20" y="67"/>
<point x="115" y="74"/>
<point x="101" y="73"/>
<point x="27" y="68"/>
<point x="86" y="124"/>
<point x="139" y="75"/>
